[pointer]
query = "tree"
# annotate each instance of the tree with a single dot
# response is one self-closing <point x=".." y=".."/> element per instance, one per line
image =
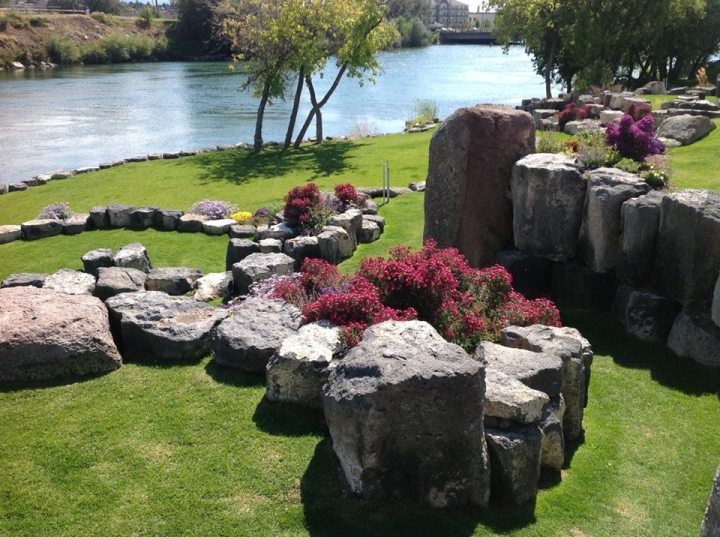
<point x="408" y="9"/>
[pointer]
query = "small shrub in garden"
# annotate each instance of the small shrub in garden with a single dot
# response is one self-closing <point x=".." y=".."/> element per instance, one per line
<point x="573" y="112"/>
<point x="213" y="209"/>
<point x="592" y="149"/>
<point x="545" y="143"/>
<point x="657" y="179"/>
<point x="629" y="165"/>
<point x="263" y="215"/>
<point x="638" y="111"/>
<point x="299" y="202"/>
<point x="634" y="139"/>
<point x="243" y="217"/>
<point x="55" y="211"/>
<point x="346" y="194"/>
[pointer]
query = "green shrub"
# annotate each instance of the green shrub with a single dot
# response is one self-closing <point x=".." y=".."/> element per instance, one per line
<point x="593" y="151"/>
<point x="12" y="19"/>
<point x="38" y="21"/>
<point x="629" y="165"/>
<point x="104" y="18"/>
<point x="425" y="112"/>
<point x="657" y="179"/>
<point x="146" y="16"/>
<point x="413" y="32"/>
<point x="120" y="48"/>
<point x="62" y="50"/>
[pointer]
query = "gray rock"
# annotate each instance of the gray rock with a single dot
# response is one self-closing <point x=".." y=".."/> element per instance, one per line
<point x="258" y="267"/>
<point x="539" y="371"/>
<point x="575" y="285"/>
<point x="77" y="223"/>
<point x="351" y="221"/>
<point x="691" y="340"/>
<point x="301" y="366"/>
<point x="139" y="158"/>
<point x="646" y="315"/>
<point x="239" y="249"/>
<point x="514" y="463"/>
<point x="254" y="332"/>
<point x="142" y="217"/>
<point x="86" y="169"/>
<point x="149" y="324"/>
<point x="94" y="259"/>
<point x="576" y="355"/>
<point x="695" y="105"/>
<point x="302" y="247"/>
<point x="553" y="440"/>
<point x="574" y="128"/>
<point x="133" y="255"/>
<point x="17" y="187"/>
<point x="115" y="280"/>
<point x="335" y="244"/>
<point x="270" y="246"/>
<point x="548" y="192"/>
<point x="530" y="274"/>
<point x="40" y="229"/>
<point x="711" y="521"/>
<point x="3" y="189"/>
<point x="192" y="223"/>
<point x="119" y="215"/>
<point x="687" y="257"/>
<point x="23" y="279"/>
<point x="71" y="282"/>
<point x="418" y="186"/>
<point x="218" y="227"/>
<point x="173" y="281"/>
<point x="167" y="219"/>
<point x="243" y="231"/>
<point x="510" y="399"/>
<point x="640" y="219"/>
<point x="10" y="233"/>
<point x="656" y="87"/>
<point x="45" y="335"/>
<point x="99" y="218"/>
<point x="607" y="190"/>
<point x="466" y="193"/>
<point x="541" y="114"/>
<point x="715" y="309"/>
<point x="610" y="116"/>
<point x="369" y="232"/>
<point x="404" y="410"/>
<point x="686" y="129"/>
<point x="214" y="285"/>
<point x="621" y="101"/>
<point x="275" y="231"/>
<point x="379" y="220"/>
<point x="370" y="207"/>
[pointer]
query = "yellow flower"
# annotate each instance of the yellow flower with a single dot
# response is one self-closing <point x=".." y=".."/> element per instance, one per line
<point x="242" y="217"/>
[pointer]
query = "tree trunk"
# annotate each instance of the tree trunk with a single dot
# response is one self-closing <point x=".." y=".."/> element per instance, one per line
<point x="258" y="141"/>
<point x="548" y="73"/>
<point x="316" y="109"/>
<point x="296" y="106"/>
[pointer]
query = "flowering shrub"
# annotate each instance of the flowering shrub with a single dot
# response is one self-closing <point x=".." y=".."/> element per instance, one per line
<point x="638" y="111"/>
<point x="243" y="217"/>
<point x="573" y="112"/>
<point x="634" y="139"/>
<point x="347" y="194"/>
<point x="55" y="211"/>
<point x="213" y="209"/>
<point x="299" y="202"/>
<point x="436" y="285"/>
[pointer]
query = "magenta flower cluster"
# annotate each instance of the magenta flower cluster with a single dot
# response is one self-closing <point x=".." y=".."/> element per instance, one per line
<point x="634" y="139"/>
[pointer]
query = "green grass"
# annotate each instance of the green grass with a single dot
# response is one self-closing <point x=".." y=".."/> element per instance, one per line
<point x="194" y="449"/>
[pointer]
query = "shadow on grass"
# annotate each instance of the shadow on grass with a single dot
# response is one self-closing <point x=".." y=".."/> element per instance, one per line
<point x="609" y="338"/>
<point x="331" y="511"/>
<point x="283" y="419"/>
<point x="17" y="386"/>
<point x="234" y="377"/>
<point x="241" y="165"/>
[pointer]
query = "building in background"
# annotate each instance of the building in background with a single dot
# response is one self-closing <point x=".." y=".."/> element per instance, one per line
<point x="448" y="14"/>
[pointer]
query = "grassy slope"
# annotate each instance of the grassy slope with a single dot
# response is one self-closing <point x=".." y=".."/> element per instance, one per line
<point x="193" y="450"/>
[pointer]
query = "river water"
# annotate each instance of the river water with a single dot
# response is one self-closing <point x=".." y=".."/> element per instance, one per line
<point x="71" y="117"/>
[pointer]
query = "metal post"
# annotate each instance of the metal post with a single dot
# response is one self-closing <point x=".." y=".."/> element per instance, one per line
<point x="386" y="182"/>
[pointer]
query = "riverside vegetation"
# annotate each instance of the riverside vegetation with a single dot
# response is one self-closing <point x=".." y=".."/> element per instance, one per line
<point x="212" y="456"/>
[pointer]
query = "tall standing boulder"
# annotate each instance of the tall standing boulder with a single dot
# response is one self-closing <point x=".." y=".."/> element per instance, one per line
<point x="640" y="219"/>
<point x="548" y="192"/>
<point x="45" y="334"/>
<point x="405" y="413"/>
<point x="467" y="193"/>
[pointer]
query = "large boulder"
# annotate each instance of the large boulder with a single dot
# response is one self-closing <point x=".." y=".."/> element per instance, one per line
<point x="369" y="232"/>
<point x="71" y="282"/>
<point x="699" y="342"/>
<point x="98" y="218"/>
<point x="214" y="285"/>
<point x="607" y="190"/>
<point x="548" y="192"/>
<point x="640" y="219"/>
<point x="45" y="334"/>
<point x="95" y="259"/>
<point x="301" y="366"/>
<point x="155" y="325"/>
<point x="142" y="217"/>
<point x="218" y="227"/>
<point x="351" y="221"/>
<point x="711" y="522"/>
<point x="553" y="439"/>
<point x="115" y="280"/>
<point x="685" y="129"/>
<point x="302" y="247"/>
<point x="192" y="223"/>
<point x="133" y="255"/>
<point x="515" y="456"/>
<point x="253" y="332"/>
<point x="466" y="194"/>
<point x="646" y="315"/>
<point x="270" y="246"/>
<point x="22" y="279"/>
<point x="243" y="231"/>
<point x="687" y="257"/>
<point x="40" y="229"/>
<point x="239" y="249"/>
<point x="259" y="267"/>
<point x="172" y="280"/>
<point x="576" y="355"/>
<point x="508" y="399"/>
<point x="335" y="244"/>
<point x="539" y="371"/>
<point x="404" y="410"/>
<point x="10" y="233"/>
<point x="575" y="128"/>
<point x="119" y="215"/>
<point x="167" y="219"/>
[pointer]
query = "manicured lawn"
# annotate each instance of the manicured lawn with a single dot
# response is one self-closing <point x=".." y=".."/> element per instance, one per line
<point x="194" y="449"/>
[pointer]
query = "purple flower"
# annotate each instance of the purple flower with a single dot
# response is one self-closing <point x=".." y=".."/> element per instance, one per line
<point x="634" y="139"/>
<point x="213" y="209"/>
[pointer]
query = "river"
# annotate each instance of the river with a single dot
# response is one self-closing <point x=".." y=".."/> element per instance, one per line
<point x="71" y="117"/>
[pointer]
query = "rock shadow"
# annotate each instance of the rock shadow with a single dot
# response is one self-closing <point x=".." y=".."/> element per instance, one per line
<point x="330" y="510"/>
<point x="609" y="338"/>
<point x="284" y="419"/>
<point x="17" y="386"/>
<point x="239" y="166"/>
<point x="234" y="377"/>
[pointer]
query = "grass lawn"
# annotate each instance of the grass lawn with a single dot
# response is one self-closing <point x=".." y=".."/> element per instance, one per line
<point x="194" y="449"/>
